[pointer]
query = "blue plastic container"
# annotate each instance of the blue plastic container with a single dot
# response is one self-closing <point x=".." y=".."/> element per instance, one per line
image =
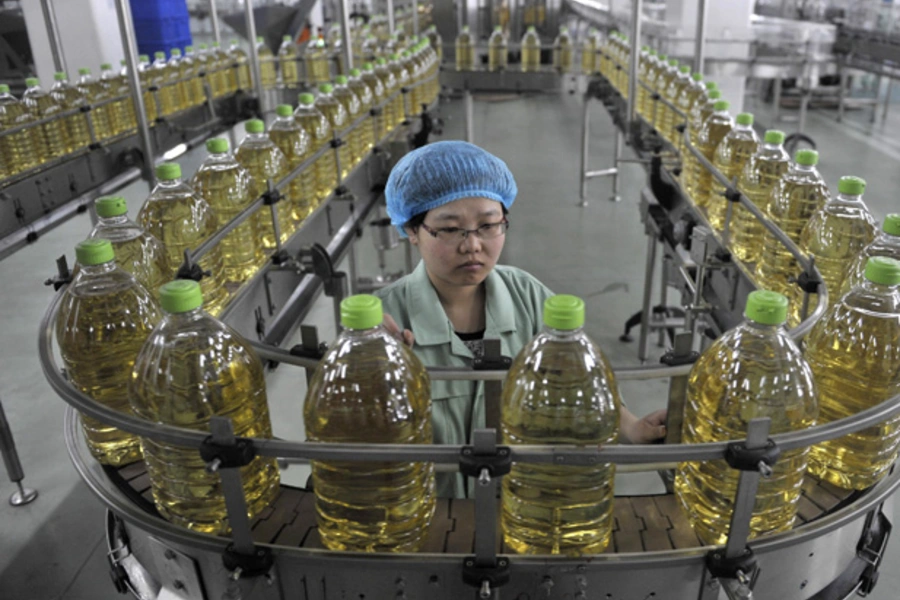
<point x="161" y="25"/>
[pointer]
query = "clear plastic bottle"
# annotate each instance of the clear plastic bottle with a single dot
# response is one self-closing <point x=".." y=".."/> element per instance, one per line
<point x="498" y="51"/>
<point x="335" y="46"/>
<point x="413" y="66"/>
<point x="732" y="153"/>
<point x="402" y="78"/>
<point x="368" y="51"/>
<point x="53" y="140"/>
<point x="531" y="50"/>
<point x="69" y="98"/>
<point x="137" y="252"/>
<point x="674" y="90"/>
<point x="694" y="92"/>
<point x="19" y="151"/>
<point x="647" y="71"/>
<point x="336" y="114"/>
<point x="224" y="76"/>
<point x="318" y="128"/>
<point x="152" y="101"/>
<point x="563" y="51"/>
<point x="318" y="62"/>
<point x="370" y="388"/>
<point x="182" y="219"/>
<point x="366" y="103"/>
<point x="180" y="71"/>
<point x="263" y="159"/>
<point x="394" y="109"/>
<point x="661" y="113"/>
<point x="289" y="61"/>
<point x="714" y="130"/>
<point x="855" y="357"/>
<point x="94" y="94"/>
<point x="228" y="188"/>
<point x="761" y="173"/>
<point x="754" y="370"/>
<point x="794" y="199"/>
<point x="589" y="47"/>
<point x="295" y="144"/>
<point x="196" y="87"/>
<point x="104" y="318"/>
<point x="560" y="390"/>
<point x="835" y="235"/>
<point x="702" y="110"/>
<point x="435" y="41"/>
<point x="121" y="112"/>
<point x="194" y="367"/>
<point x="348" y="98"/>
<point x="166" y="80"/>
<point x="465" y="50"/>
<point x="379" y="96"/>
<point x="267" y="70"/>
<point x="243" y="79"/>
<point x="886" y="243"/>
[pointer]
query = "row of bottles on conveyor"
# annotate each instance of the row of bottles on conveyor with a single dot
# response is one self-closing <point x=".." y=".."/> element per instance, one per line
<point x="498" y="51"/>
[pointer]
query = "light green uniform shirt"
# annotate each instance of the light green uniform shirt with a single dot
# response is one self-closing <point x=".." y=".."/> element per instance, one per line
<point x="514" y="314"/>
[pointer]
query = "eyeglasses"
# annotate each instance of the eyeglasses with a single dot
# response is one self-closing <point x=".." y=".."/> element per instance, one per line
<point x="458" y="234"/>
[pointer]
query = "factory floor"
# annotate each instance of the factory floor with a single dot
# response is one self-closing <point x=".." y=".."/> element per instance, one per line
<point x="54" y="548"/>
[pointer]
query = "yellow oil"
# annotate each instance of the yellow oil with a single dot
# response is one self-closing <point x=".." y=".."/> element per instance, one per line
<point x="393" y="109"/>
<point x="855" y="356"/>
<point x="401" y="76"/>
<point x="181" y="219"/>
<point x="436" y="42"/>
<point x="702" y="110"/>
<point x="714" y="130"/>
<point x="288" y="60"/>
<point x="730" y="157"/>
<point x="20" y="151"/>
<point x="531" y="51"/>
<point x="243" y="80"/>
<point x="318" y="128"/>
<point x="412" y="62"/>
<point x="228" y="188"/>
<point x="672" y="93"/>
<point x="563" y="51"/>
<point x="94" y="92"/>
<point x="658" y="114"/>
<point x="196" y="89"/>
<point x="354" y="110"/>
<point x="180" y="75"/>
<point x="498" y="52"/>
<point x="121" y="113"/>
<point x="592" y="43"/>
<point x="194" y="367"/>
<point x="559" y="390"/>
<point x="793" y="200"/>
<point x="295" y="144"/>
<point x="224" y="76"/>
<point x="887" y="243"/>
<point x="137" y="252"/>
<point x="103" y="320"/>
<point x="465" y="50"/>
<point x="752" y="371"/>
<point x="370" y="388"/>
<point x="646" y="75"/>
<point x="318" y="62"/>
<point x="366" y="102"/>
<point x="336" y="114"/>
<point x="763" y="171"/>
<point x="266" y="64"/>
<point x="692" y="94"/>
<point x="68" y="98"/>
<point x="262" y="158"/>
<point x="53" y="141"/>
<point x="162" y="75"/>
<point x="151" y="102"/>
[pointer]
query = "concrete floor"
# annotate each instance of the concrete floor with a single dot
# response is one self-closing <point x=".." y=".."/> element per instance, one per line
<point x="54" y="548"/>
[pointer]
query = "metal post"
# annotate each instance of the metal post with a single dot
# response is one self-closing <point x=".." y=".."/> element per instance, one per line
<point x="390" y="16"/>
<point x="250" y="22"/>
<point x="214" y="16"/>
<point x="129" y="44"/>
<point x="469" y="105"/>
<point x="745" y="496"/>
<point x="615" y="175"/>
<point x="663" y="295"/>
<point x="232" y="488"/>
<point x="887" y="99"/>
<point x="636" y="12"/>
<point x="347" y="45"/>
<point x="776" y="105"/>
<point x="484" y="441"/>
<point x="22" y="495"/>
<point x="842" y="84"/>
<point x="415" y="17"/>
<point x="585" y="147"/>
<point x="700" y="37"/>
<point x="59" y="60"/>
<point x="874" y="114"/>
<point x="646" y="313"/>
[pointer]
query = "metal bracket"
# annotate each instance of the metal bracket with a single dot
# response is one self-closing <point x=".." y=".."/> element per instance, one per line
<point x="191" y="270"/>
<point x="871" y="548"/>
<point x="739" y="456"/>
<point x="226" y="455"/>
<point x="484" y="466"/>
<point x="487" y="577"/>
<point x="247" y="565"/>
<point x="63" y="276"/>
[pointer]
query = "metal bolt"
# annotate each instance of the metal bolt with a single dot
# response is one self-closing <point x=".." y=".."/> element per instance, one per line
<point x="236" y="574"/>
<point x="742" y="577"/>
<point x="485" y="592"/>
<point x="803" y="584"/>
<point x="213" y="465"/>
<point x="170" y="555"/>
<point x="484" y="478"/>
<point x="400" y="583"/>
<point x="179" y="585"/>
<point x="765" y="470"/>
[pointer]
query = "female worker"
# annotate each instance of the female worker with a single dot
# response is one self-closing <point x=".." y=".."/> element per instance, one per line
<point x="452" y="199"/>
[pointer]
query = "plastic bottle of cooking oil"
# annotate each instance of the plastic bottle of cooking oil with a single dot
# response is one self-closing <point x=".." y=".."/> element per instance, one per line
<point x="624" y="62"/>
<point x="646" y="73"/>
<point x="761" y="173"/>
<point x="182" y="219"/>
<point x="687" y="98"/>
<point x="295" y="144"/>
<point x="402" y="78"/>
<point x="855" y="358"/>
<point x="318" y="129"/>
<point x="228" y="188"/>
<point x="394" y="115"/>
<point x="336" y="114"/>
<point x="592" y="43"/>
<point x="20" y="151"/>
<point x="676" y="87"/>
<point x="754" y="370"/>
<point x="661" y="114"/>
<point x="165" y="79"/>
<point x="703" y="109"/>
<point x="376" y="88"/>
<point x="351" y="104"/>
<point x="498" y="51"/>
<point x="121" y="110"/>
<point x="266" y="63"/>
<point x="226" y="81"/>
<point x="263" y="159"/>
<point x="370" y="388"/>
<point x="194" y="367"/>
<point x="94" y="93"/>
<point x="560" y="390"/>
<point x="180" y="73"/>
<point x="137" y="251"/>
<point x="714" y="130"/>
<point x="237" y="56"/>
<point x="318" y="62"/>
<point x="432" y="73"/>
<point x="69" y="98"/>
<point x="793" y="200"/>
<point x="835" y="235"/>
<point x="104" y="318"/>
<point x="54" y="135"/>
<point x="194" y="67"/>
<point x="152" y="101"/>
<point x="730" y="156"/>
<point x="563" y="51"/>
<point x="465" y="50"/>
<point x="435" y="41"/>
<point x="887" y="243"/>
<point x="289" y="61"/>
<point x="413" y="67"/>
<point x="531" y="50"/>
<point x="366" y="103"/>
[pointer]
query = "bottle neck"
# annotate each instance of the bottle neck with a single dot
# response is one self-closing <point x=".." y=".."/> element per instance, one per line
<point x="169" y="183"/>
<point x="764" y="328"/>
<point x="95" y="270"/>
<point x="847" y="199"/>
<point x="179" y="320"/>
<point x="743" y="128"/>
<point x="113" y="221"/>
<point x="563" y="334"/>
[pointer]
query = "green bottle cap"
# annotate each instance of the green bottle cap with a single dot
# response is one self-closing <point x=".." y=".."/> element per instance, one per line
<point x="284" y="110"/>
<point x="773" y="136"/>
<point x="395" y="56"/>
<point x="307" y="99"/>
<point x="59" y="76"/>
<point x="175" y="52"/>
<point x="715" y="94"/>
<point x="883" y="270"/>
<point x="498" y="28"/>
<point x="254" y="126"/>
<point x="326" y="88"/>
<point x="684" y="69"/>
<point x="201" y="46"/>
<point x="362" y="311"/>
<point x="94" y="252"/>
<point x="381" y="61"/>
<point x="341" y="80"/>
<point x="111" y="206"/>
<point x="766" y="308"/>
<point x="217" y="145"/>
<point x="122" y="62"/>
<point x="652" y="53"/>
<point x="180" y="296"/>
<point x="711" y="85"/>
<point x="32" y="82"/>
<point x="215" y="44"/>
<point x="84" y="71"/>
<point x="663" y="57"/>
<point x="105" y="66"/>
<point x="287" y="38"/>
<point x="159" y="55"/>
<point x="806" y="157"/>
<point x="721" y="105"/>
<point x="745" y="119"/>
<point x="564" y="311"/>
<point x="168" y="171"/>
<point x="531" y="28"/>
<point x="260" y="39"/>
<point x="465" y="29"/>
<point x="144" y="58"/>
<point x="891" y="225"/>
<point x="697" y="76"/>
<point x="851" y="186"/>
<point x="673" y="61"/>
<point x="355" y="72"/>
<point x="234" y="41"/>
<point x="645" y="48"/>
<point x="4" y="89"/>
<point x="563" y="29"/>
<point x="188" y="48"/>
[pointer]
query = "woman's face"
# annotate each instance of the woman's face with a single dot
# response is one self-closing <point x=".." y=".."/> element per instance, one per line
<point x="460" y="262"/>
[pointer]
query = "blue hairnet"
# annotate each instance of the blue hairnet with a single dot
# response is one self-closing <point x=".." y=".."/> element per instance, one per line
<point x="442" y="172"/>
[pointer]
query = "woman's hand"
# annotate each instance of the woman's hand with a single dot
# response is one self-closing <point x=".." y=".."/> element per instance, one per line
<point x="646" y="430"/>
<point x="406" y="336"/>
